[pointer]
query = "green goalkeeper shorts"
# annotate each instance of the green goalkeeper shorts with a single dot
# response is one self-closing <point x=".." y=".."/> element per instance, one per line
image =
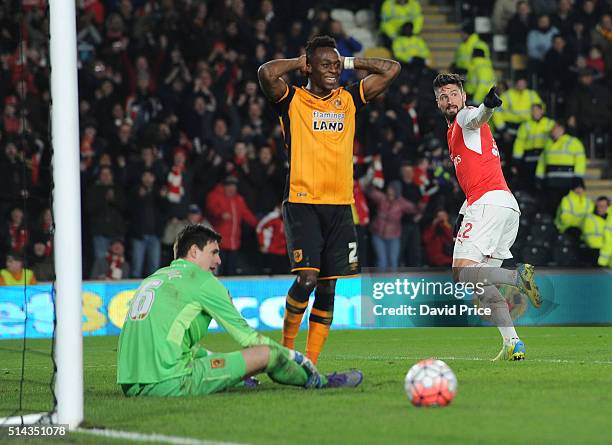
<point x="213" y="373"/>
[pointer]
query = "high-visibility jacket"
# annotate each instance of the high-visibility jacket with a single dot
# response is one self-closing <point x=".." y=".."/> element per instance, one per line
<point x="516" y="107"/>
<point x="463" y="55"/>
<point x="593" y="230"/>
<point x="531" y="139"/>
<point x="563" y="158"/>
<point x="10" y="280"/>
<point x="572" y="211"/>
<point x="605" y="253"/>
<point x="480" y="78"/>
<point x="407" y="47"/>
<point x="393" y="16"/>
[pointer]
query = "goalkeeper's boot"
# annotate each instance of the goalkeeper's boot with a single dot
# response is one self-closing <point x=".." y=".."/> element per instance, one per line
<point x="347" y="379"/>
<point x="526" y="284"/>
<point x="251" y="382"/>
<point x="511" y="352"/>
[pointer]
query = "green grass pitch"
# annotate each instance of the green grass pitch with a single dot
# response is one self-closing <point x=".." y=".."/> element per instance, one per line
<point x="562" y="393"/>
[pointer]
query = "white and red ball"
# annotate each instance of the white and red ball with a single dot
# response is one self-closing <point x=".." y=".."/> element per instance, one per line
<point x="430" y="382"/>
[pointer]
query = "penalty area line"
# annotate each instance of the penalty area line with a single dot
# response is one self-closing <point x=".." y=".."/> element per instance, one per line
<point x="157" y="438"/>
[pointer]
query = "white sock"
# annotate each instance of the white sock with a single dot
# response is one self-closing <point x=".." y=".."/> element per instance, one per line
<point x="508" y="334"/>
<point x="483" y="273"/>
<point x="500" y="315"/>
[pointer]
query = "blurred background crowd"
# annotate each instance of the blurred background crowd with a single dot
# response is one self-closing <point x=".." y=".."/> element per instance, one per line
<point x="174" y="128"/>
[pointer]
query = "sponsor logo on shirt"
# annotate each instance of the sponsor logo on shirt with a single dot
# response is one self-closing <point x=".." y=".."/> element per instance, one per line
<point x="327" y="121"/>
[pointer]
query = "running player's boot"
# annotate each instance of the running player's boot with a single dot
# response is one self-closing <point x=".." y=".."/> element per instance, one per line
<point x="347" y="379"/>
<point x="526" y="284"/>
<point x="511" y="351"/>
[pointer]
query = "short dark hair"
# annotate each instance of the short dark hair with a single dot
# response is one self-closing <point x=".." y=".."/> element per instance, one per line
<point x="197" y="234"/>
<point x="443" y="79"/>
<point x="603" y="198"/>
<point x="318" y="42"/>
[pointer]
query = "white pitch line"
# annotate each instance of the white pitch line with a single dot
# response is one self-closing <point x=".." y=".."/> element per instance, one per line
<point x="470" y="359"/>
<point x="158" y="438"/>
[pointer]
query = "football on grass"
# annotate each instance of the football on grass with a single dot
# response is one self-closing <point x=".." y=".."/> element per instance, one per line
<point x="430" y="382"/>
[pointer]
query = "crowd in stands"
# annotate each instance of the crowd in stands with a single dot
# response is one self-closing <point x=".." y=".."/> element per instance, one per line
<point x="175" y="130"/>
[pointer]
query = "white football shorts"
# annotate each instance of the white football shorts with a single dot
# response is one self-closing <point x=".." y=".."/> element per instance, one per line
<point x="486" y="231"/>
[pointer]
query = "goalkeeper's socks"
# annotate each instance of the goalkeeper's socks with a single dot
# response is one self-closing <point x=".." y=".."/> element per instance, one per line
<point x="294" y="311"/>
<point x="484" y="275"/>
<point x="283" y="368"/>
<point x="318" y="330"/>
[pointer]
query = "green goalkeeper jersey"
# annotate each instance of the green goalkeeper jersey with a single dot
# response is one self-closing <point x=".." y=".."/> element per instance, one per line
<point x="168" y="316"/>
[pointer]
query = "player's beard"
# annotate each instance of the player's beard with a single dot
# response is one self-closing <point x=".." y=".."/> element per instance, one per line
<point x="451" y="113"/>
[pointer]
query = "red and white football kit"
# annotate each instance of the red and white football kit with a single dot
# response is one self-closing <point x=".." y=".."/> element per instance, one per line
<point x="491" y="213"/>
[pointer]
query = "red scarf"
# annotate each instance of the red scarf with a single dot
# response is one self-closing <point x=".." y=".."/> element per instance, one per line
<point x="115" y="266"/>
<point x="175" y="184"/>
<point x="19" y="237"/>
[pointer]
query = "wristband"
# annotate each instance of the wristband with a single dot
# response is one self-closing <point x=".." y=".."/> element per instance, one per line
<point x="349" y="63"/>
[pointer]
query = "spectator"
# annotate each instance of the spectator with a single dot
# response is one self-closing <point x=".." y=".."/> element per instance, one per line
<point x="602" y="37"/>
<point x="539" y="41"/>
<point x="589" y="15"/>
<point x="42" y="263"/>
<point x="574" y="208"/>
<point x="556" y="75"/>
<point x="272" y="244"/>
<point x="480" y="77"/>
<point x="177" y="190"/>
<point x="594" y="229"/>
<point x="517" y="103"/>
<point x="564" y="18"/>
<point x="438" y="240"/>
<point x="13" y="184"/>
<point x="146" y="225"/>
<point x="227" y="210"/>
<point x="386" y="228"/>
<point x="15" y="274"/>
<point x="530" y="142"/>
<point x="394" y="13"/>
<point x="518" y="28"/>
<point x="596" y="62"/>
<point x="503" y="11"/>
<point x="346" y="45"/>
<point x="15" y="234"/>
<point x="579" y="40"/>
<point x="105" y="205"/>
<point x="174" y="226"/>
<point x="411" y="247"/>
<point x="406" y="45"/>
<point x="562" y="161"/>
<point x="463" y="54"/>
<point x="265" y="178"/>
<point x="113" y="266"/>
<point x="589" y="106"/>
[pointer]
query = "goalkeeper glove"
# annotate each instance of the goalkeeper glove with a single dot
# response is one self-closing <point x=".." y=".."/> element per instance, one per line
<point x="492" y="100"/>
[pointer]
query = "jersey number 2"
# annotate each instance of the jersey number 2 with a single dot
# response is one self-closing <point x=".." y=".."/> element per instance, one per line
<point x="143" y="301"/>
<point x="352" y="252"/>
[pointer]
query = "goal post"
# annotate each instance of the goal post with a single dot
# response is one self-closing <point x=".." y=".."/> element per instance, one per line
<point x="67" y="219"/>
<point x="67" y="212"/>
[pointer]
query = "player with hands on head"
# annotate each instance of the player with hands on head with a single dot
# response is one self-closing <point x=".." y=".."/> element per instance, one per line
<point x="318" y="125"/>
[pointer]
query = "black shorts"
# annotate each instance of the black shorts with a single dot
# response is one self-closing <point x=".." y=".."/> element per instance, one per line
<point x="321" y="237"/>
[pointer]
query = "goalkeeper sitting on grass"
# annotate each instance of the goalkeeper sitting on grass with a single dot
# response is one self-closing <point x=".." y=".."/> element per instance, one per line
<point x="159" y="352"/>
